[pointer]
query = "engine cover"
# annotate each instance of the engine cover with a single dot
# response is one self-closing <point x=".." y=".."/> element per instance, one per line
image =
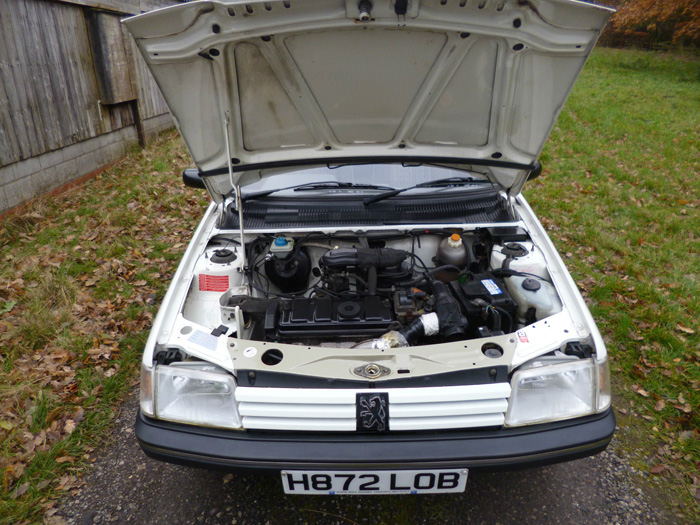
<point x="328" y="317"/>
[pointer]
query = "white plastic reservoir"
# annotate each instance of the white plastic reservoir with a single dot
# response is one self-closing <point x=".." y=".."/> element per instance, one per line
<point x="534" y="293"/>
<point x="521" y="257"/>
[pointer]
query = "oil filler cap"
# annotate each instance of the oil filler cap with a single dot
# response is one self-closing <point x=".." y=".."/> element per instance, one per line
<point x="348" y="309"/>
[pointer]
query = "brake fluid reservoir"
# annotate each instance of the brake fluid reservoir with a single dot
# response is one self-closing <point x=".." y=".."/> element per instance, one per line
<point x="521" y="257"/>
<point x="216" y="270"/>
<point x="533" y="293"/>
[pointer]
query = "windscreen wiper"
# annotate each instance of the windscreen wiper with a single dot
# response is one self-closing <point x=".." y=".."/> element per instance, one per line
<point x="326" y="185"/>
<point x="309" y="186"/>
<point x="439" y="183"/>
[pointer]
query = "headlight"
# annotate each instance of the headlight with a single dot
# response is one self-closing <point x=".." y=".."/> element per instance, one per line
<point x="197" y="396"/>
<point x="561" y="391"/>
<point x="146" y="390"/>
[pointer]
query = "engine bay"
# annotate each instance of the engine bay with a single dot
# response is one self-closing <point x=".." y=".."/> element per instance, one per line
<point x="375" y="289"/>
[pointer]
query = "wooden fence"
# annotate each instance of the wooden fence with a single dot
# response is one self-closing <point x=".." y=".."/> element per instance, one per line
<point x="72" y="88"/>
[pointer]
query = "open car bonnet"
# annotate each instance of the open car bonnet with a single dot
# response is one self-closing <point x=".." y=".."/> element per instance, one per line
<point x="257" y="86"/>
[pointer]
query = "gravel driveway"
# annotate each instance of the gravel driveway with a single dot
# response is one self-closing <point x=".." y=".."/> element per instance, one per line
<point x="123" y="486"/>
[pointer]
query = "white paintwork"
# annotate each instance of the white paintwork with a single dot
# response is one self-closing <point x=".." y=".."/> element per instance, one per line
<point x="475" y="80"/>
<point x="339" y="396"/>
<point x="308" y="83"/>
<point x="433" y="423"/>
<point x="454" y="408"/>
<point x="580" y="319"/>
<point x="301" y="424"/>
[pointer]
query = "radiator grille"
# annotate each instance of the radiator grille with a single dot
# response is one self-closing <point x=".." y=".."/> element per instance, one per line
<point x="470" y="406"/>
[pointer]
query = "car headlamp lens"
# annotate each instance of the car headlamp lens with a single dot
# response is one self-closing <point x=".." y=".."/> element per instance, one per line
<point x="195" y="396"/>
<point x="604" y="389"/>
<point x="554" y="392"/>
<point x="146" y="396"/>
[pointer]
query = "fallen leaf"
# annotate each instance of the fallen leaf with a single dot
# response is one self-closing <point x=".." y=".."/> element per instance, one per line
<point x="685" y="329"/>
<point x="658" y="469"/>
<point x="639" y="390"/>
<point x="635" y="336"/>
<point x="78" y="415"/>
<point x="21" y="490"/>
<point x="69" y="426"/>
<point x="65" y="459"/>
<point x="660" y="405"/>
<point x="54" y="414"/>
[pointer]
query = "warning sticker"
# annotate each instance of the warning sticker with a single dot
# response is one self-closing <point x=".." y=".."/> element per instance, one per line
<point x="522" y="336"/>
<point x="213" y="283"/>
<point x="491" y="286"/>
<point x="204" y="340"/>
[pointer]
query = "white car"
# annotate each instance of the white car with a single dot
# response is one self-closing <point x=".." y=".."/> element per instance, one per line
<point x="369" y="305"/>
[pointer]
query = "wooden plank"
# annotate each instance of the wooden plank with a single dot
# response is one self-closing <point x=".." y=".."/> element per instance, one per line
<point x="66" y="83"/>
<point x="82" y="95"/>
<point x="9" y="147"/>
<point x="29" y="102"/>
<point x="90" y="118"/>
<point x="56" y="88"/>
<point x="12" y="78"/>
<point x="91" y="92"/>
<point x="137" y="115"/>
<point x="26" y="48"/>
<point x="43" y="25"/>
<point x="150" y="5"/>
<point x="127" y="7"/>
<point x="114" y="71"/>
<point x="38" y="83"/>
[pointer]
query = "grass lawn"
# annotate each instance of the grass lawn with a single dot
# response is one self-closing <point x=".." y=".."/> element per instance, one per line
<point x="81" y="275"/>
<point x="620" y="196"/>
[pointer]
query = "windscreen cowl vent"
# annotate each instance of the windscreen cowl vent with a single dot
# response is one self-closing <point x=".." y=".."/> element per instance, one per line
<point x="485" y="206"/>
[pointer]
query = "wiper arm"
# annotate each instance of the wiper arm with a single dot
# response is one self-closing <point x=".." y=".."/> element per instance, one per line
<point x="331" y="185"/>
<point x="309" y="186"/>
<point x="265" y="193"/>
<point x="439" y="183"/>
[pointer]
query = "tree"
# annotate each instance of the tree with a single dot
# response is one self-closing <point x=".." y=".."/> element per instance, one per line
<point x="655" y="22"/>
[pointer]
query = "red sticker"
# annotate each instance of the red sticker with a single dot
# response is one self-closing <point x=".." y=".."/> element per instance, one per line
<point x="213" y="283"/>
<point x="523" y="337"/>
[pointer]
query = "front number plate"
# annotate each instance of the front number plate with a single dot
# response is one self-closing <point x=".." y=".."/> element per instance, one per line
<point x="374" y="482"/>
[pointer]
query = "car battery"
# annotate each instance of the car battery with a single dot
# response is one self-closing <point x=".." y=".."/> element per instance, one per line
<point x="480" y="291"/>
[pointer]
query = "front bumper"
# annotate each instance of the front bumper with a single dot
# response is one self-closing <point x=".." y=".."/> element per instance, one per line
<point x="475" y="449"/>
